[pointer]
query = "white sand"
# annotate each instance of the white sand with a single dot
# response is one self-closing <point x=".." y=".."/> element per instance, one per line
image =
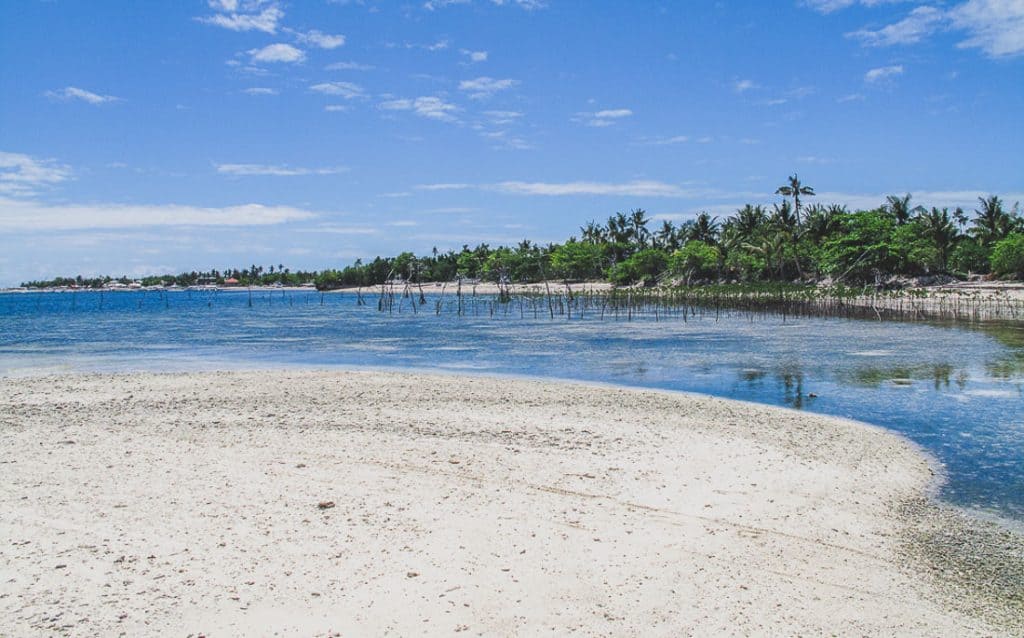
<point x="186" y="504"/>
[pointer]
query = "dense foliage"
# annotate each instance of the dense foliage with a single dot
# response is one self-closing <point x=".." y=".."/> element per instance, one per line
<point x="789" y="241"/>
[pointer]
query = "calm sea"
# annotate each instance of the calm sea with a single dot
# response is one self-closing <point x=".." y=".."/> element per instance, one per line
<point x="957" y="392"/>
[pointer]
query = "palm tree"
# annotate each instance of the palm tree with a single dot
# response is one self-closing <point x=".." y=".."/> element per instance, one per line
<point x="898" y="207"/>
<point x="783" y="218"/>
<point x="667" y="238"/>
<point x="992" y="222"/>
<point x="593" y="233"/>
<point x="941" y="230"/>
<point x="704" y="228"/>
<point x="748" y="221"/>
<point x="638" y="225"/>
<point x="795" y="189"/>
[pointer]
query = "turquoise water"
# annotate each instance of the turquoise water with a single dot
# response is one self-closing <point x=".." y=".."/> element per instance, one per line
<point x="957" y="392"/>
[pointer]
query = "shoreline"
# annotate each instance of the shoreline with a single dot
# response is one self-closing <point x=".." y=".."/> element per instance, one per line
<point x="833" y="483"/>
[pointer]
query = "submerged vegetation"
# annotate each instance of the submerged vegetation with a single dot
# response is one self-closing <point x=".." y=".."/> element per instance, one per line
<point x="789" y="241"/>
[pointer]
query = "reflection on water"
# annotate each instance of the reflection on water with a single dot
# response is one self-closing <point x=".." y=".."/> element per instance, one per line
<point x="957" y="392"/>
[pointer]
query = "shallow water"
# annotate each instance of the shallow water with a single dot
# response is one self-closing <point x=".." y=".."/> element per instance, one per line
<point x="957" y="392"/>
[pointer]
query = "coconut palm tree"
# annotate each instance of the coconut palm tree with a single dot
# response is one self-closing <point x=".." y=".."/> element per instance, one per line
<point x="795" y="189"/>
<point x="638" y="226"/>
<point x="941" y="230"/>
<point x="667" y="237"/>
<point x="748" y="221"/>
<point x="898" y="207"/>
<point x="704" y="228"/>
<point x="992" y="223"/>
<point x="783" y="217"/>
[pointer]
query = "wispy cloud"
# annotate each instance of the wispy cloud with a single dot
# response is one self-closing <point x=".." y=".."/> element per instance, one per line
<point x="75" y="93"/>
<point x="257" y="18"/>
<point x="349" y="66"/>
<point x="474" y="56"/>
<point x="276" y="170"/>
<point x="484" y="87"/>
<point x="503" y="117"/>
<point x="430" y="107"/>
<point x="921" y="22"/>
<point x="261" y="90"/>
<point x="994" y="26"/>
<point x="883" y="73"/>
<point x="347" y="90"/>
<point x="26" y="216"/>
<point x="636" y="188"/>
<point x="322" y="40"/>
<point x="602" y="118"/>
<point x="277" y="53"/>
<point x="666" y="141"/>
<point x="22" y="175"/>
<point x="742" y="86"/>
<point x="851" y="97"/>
<point x="528" y="5"/>
<point x="828" y="6"/>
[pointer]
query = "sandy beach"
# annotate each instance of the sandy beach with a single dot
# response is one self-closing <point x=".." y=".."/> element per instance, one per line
<point x="378" y="503"/>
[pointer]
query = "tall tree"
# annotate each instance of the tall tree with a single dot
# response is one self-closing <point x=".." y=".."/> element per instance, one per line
<point x="795" y="189"/>
<point x="898" y="207"/>
<point x="991" y="222"/>
<point x="638" y="226"/>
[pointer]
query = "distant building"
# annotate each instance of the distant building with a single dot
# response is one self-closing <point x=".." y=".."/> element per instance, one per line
<point x="231" y="281"/>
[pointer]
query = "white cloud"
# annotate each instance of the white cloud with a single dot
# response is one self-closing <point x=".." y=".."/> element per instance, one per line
<point x="348" y="66"/>
<point x="603" y="118"/>
<point x="528" y="5"/>
<point x="347" y="90"/>
<point x="277" y="53"/>
<point x="883" y="73"/>
<point x="431" y="5"/>
<point x="667" y="141"/>
<point x="75" y="93"/>
<point x="852" y="97"/>
<point x="475" y="56"/>
<point x="613" y="113"/>
<point x="503" y="117"/>
<point x="22" y="175"/>
<point x="336" y="108"/>
<point x="994" y="26"/>
<point x="261" y="90"/>
<point x="276" y="171"/>
<point x="322" y="40"/>
<point x="24" y="216"/>
<point x="484" y="87"/>
<point x="828" y="6"/>
<point x="445" y="187"/>
<point x="742" y="86"/>
<point x="636" y="188"/>
<point x="430" y="107"/>
<point x="921" y="22"/>
<point x="265" y="20"/>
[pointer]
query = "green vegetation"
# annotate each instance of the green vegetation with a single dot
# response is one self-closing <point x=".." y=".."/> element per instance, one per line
<point x="788" y="242"/>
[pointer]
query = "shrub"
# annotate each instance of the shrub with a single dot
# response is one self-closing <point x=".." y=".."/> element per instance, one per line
<point x="695" y="259"/>
<point x="1008" y="256"/>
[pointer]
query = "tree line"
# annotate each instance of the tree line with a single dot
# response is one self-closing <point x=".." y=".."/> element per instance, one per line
<point x="786" y="241"/>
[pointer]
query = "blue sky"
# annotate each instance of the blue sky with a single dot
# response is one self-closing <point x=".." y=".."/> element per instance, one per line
<point x="141" y="138"/>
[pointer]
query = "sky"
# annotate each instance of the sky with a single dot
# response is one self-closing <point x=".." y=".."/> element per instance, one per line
<point x="145" y="138"/>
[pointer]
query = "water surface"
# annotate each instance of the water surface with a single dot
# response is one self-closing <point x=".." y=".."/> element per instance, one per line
<point x="957" y="392"/>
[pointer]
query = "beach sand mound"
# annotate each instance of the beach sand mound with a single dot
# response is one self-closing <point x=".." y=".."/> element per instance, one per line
<point x="373" y="503"/>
